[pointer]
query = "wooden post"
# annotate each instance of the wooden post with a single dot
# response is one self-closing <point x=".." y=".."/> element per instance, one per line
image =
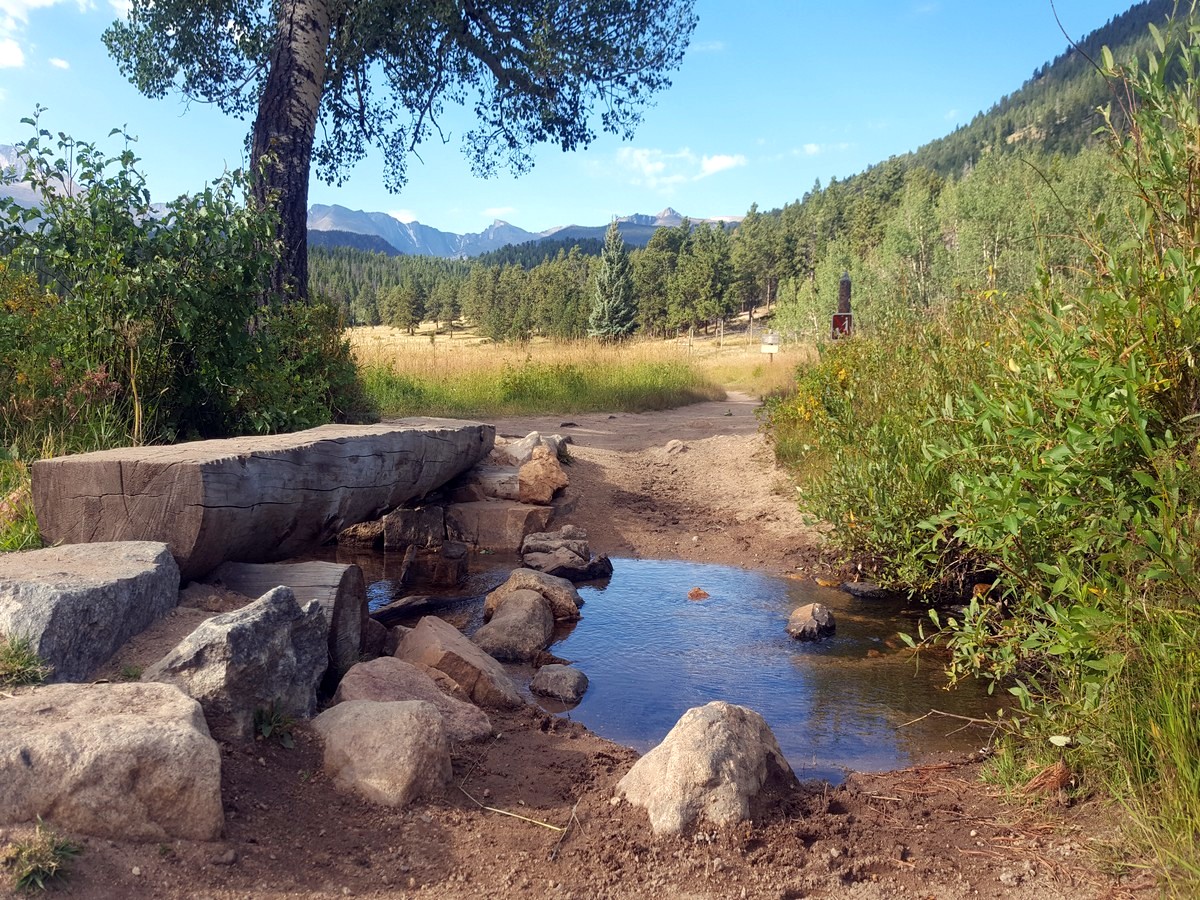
<point x="843" y="319"/>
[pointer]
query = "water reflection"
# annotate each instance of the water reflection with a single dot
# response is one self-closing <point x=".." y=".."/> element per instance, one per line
<point x="650" y="654"/>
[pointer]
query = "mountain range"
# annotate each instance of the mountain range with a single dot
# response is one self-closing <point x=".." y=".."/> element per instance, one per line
<point x="339" y="226"/>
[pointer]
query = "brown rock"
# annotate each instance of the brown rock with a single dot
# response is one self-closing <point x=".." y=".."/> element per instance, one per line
<point x="387" y="679"/>
<point x="811" y="622"/>
<point x="364" y="535"/>
<point x="521" y="628"/>
<point x="423" y="527"/>
<point x="437" y="646"/>
<point x="541" y="477"/>
<point x="389" y="753"/>
<point x="495" y="524"/>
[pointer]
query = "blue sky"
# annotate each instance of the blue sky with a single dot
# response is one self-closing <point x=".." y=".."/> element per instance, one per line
<point x="772" y="95"/>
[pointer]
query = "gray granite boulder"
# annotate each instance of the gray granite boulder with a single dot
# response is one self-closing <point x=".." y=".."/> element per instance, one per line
<point x="121" y="761"/>
<point x="710" y="766"/>
<point x="519" y="629"/>
<point x="811" y="622"/>
<point x="78" y="604"/>
<point x="269" y="654"/>
<point x="559" y="682"/>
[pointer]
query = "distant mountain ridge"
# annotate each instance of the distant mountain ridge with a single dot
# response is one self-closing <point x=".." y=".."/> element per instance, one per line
<point x="333" y="225"/>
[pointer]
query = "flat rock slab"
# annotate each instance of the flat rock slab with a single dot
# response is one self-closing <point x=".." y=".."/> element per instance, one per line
<point x="79" y="604"/>
<point x="251" y="499"/>
<point x="125" y="761"/>
<point x="442" y="650"/>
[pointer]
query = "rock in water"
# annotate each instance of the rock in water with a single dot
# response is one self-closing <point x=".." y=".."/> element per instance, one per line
<point x="711" y="765"/>
<point x="389" y="753"/>
<point x="811" y="622"/>
<point x="123" y="761"/>
<point x="520" y="628"/>
<point x="560" y="682"/>
<point x="268" y="654"/>
<point x="79" y="604"/>
<point x="562" y="596"/>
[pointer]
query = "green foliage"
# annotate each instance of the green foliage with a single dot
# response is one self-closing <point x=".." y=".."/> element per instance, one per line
<point x="1044" y="450"/>
<point x="37" y="861"/>
<point x="272" y="723"/>
<point x="613" y="308"/>
<point x="20" y="663"/>
<point x="122" y="322"/>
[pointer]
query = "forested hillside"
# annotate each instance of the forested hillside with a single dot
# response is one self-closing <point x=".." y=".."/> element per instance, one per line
<point x="984" y="208"/>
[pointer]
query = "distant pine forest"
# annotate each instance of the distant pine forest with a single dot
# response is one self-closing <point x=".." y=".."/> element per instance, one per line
<point x="991" y="207"/>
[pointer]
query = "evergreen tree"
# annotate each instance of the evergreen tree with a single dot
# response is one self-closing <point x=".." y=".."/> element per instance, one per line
<point x="614" y="310"/>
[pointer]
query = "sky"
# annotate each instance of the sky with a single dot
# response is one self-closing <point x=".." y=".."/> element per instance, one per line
<point x="772" y="95"/>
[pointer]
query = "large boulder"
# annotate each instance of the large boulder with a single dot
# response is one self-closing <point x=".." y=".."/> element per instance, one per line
<point x="711" y="764"/>
<point x="559" y="682"/>
<point x="122" y="761"/>
<point x="268" y="655"/>
<point x="438" y="647"/>
<point x="564" y="600"/>
<point x="521" y="628"/>
<point x="811" y="622"/>
<point x="388" y="679"/>
<point x="495" y="524"/>
<point x="389" y="753"/>
<point x="79" y="604"/>
<point x="251" y="499"/>
<point x="541" y="478"/>
<point x="564" y="553"/>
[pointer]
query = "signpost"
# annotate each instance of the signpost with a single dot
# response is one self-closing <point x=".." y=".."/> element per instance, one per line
<point x="770" y="343"/>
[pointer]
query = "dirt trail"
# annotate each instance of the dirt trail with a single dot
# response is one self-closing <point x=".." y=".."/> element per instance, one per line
<point x="718" y="498"/>
<point x="933" y="832"/>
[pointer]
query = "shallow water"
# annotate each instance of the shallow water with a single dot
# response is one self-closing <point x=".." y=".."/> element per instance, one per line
<point x="650" y="654"/>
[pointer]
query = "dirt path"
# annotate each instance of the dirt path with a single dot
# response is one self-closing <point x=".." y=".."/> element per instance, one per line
<point x="927" y="832"/>
<point x="716" y="498"/>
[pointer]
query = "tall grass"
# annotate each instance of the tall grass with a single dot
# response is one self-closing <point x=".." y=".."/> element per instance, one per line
<point x="467" y="377"/>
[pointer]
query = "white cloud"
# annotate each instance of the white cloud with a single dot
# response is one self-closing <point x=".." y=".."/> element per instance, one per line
<point x="498" y="212"/>
<point x="711" y="165"/>
<point x="818" y="149"/>
<point x="120" y="7"/>
<point x="19" y="9"/>
<point x="403" y="215"/>
<point x="59" y="63"/>
<point x="708" y="47"/>
<point x="951" y="115"/>
<point x="662" y="171"/>
<point x="11" y="55"/>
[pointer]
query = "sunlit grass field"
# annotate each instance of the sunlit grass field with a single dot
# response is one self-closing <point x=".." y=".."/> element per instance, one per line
<point x="464" y="375"/>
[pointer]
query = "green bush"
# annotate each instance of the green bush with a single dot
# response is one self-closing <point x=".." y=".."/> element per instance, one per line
<point x="122" y="321"/>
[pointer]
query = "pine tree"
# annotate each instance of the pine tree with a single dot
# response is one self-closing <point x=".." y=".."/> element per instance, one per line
<point x="614" y="310"/>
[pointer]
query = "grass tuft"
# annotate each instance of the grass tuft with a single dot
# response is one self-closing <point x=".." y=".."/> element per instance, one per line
<point x="19" y="662"/>
<point x="42" y="858"/>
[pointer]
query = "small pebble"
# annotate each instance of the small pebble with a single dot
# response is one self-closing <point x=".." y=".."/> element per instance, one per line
<point x="835" y="853"/>
<point x="261" y="761"/>
<point x="137" y="870"/>
<point x="974" y="833"/>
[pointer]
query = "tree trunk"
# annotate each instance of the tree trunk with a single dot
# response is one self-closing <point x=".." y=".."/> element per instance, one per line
<point x="284" y="130"/>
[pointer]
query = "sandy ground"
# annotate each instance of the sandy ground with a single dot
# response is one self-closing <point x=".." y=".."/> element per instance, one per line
<point x="934" y="831"/>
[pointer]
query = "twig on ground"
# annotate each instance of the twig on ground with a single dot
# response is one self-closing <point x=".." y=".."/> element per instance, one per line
<point x="505" y="812"/>
<point x="970" y="720"/>
<point x="475" y="763"/>
<point x="574" y="819"/>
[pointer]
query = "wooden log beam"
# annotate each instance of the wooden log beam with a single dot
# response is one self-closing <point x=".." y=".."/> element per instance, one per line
<point x="250" y="499"/>
<point x="340" y="589"/>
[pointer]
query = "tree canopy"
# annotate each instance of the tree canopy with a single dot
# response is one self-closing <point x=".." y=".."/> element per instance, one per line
<point x="377" y="73"/>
